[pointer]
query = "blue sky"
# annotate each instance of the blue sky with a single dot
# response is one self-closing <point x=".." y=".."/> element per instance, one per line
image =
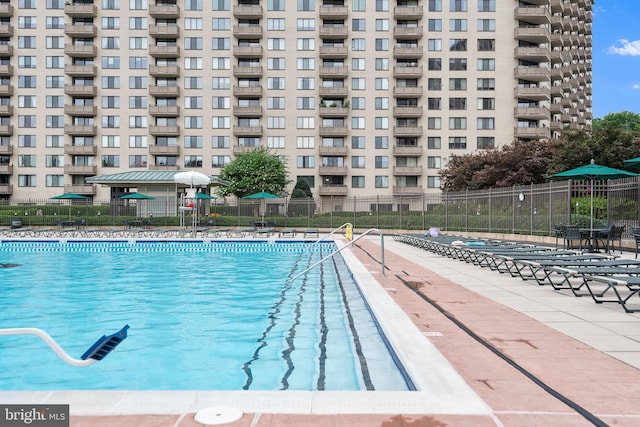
<point x="616" y="57"/>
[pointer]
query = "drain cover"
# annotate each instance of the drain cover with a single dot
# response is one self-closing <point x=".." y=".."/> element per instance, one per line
<point x="218" y="415"/>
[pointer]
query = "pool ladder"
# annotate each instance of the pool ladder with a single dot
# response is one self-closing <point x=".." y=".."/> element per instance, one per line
<point x="365" y="233"/>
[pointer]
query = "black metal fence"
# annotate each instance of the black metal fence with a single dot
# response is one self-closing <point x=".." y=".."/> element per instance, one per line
<point x="530" y="210"/>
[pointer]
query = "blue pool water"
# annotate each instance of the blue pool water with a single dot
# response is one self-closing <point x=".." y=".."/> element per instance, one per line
<point x="203" y="316"/>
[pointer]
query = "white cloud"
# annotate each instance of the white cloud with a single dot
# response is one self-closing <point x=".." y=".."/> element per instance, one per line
<point x="636" y="86"/>
<point x="597" y="10"/>
<point x="625" y="47"/>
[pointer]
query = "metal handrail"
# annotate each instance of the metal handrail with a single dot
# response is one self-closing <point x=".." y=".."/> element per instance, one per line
<point x="330" y="234"/>
<point x="371" y="230"/>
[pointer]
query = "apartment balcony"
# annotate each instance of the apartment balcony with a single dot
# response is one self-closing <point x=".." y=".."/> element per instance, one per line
<point x="78" y="130"/>
<point x="6" y="90"/>
<point x="558" y="73"/>
<point x="80" y="150"/>
<point x="248" y="11"/>
<point x="252" y="111"/>
<point x="534" y="93"/>
<point x="82" y="91"/>
<point x="164" y="91"/>
<point x="248" y="130"/>
<point x="164" y="150"/>
<point x="6" y="169"/>
<point x="164" y="130"/>
<point x="333" y="170"/>
<point x="532" y="34"/>
<point x="6" y="110"/>
<point x="250" y="91"/>
<point x="6" y="130"/>
<point x="333" y="151"/>
<point x="558" y="23"/>
<point x="80" y="170"/>
<point x="407" y="33"/>
<point x="537" y="74"/>
<point x="408" y="12"/>
<point x="6" y="149"/>
<point x="329" y="32"/>
<point x="333" y="190"/>
<point x="240" y="149"/>
<point x="415" y="190"/>
<point x="164" y="167"/>
<point x="239" y="71"/>
<point x="407" y="91"/>
<point x="6" y="30"/>
<point x="81" y="110"/>
<point x="81" y="70"/>
<point x="407" y="52"/>
<point x="338" y="91"/>
<point x="555" y="91"/>
<point x="333" y="52"/>
<point x="533" y="54"/>
<point x="408" y="72"/>
<point x="81" y="10"/>
<point x="556" y="126"/>
<point x="164" y="111"/>
<point x="333" y="72"/>
<point x="164" y="51"/>
<point x="333" y="130"/>
<point x="164" y="71"/>
<point x="247" y="51"/>
<point x="555" y="108"/>
<point x="6" y="70"/>
<point x="85" y="190"/>
<point x="81" y="51"/>
<point x="407" y="170"/>
<point x="242" y="32"/>
<point x="558" y="57"/>
<point x="334" y="12"/>
<point x="566" y="102"/>
<point x="164" y="31"/>
<point x="408" y="111"/>
<point x="6" y="10"/>
<point x="533" y="14"/>
<point x="6" y="50"/>
<point x="400" y="131"/>
<point x="164" y="11"/>
<point x="80" y="30"/>
<point x="6" y="189"/>
<point x="532" y="113"/>
<point x="531" y="132"/>
<point x="333" y="111"/>
<point x="407" y="150"/>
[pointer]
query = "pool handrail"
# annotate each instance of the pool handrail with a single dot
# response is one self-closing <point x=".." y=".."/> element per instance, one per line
<point x="330" y="234"/>
<point x="58" y="349"/>
<point x="371" y="230"/>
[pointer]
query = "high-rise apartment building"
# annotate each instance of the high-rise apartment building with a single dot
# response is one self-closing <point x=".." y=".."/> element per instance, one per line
<point x="358" y="97"/>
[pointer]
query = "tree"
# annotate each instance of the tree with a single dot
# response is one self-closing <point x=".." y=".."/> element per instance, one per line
<point x="301" y="190"/>
<point x="300" y="203"/>
<point x="253" y="172"/>
<point x="624" y="120"/>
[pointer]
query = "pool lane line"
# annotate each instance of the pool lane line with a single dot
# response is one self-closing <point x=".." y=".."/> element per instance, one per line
<point x="593" y="419"/>
<point x="324" y="331"/>
<point x="275" y="309"/>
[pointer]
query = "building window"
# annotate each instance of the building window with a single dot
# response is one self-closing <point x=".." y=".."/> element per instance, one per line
<point x="435" y="25"/>
<point x="433" y="182"/>
<point x="457" y="64"/>
<point x="457" y="142"/>
<point x="382" y="142"/>
<point x="358" y="142"/>
<point x="486" y="64"/>
<point x="220" y="142"/>
<point x="486" y="84"/>
<point x="193" y="161"/>
<point x="457" y="45"/>
<point x="457" y="84"/>
<point x="457" y="122"/>
<point x="486" y="103"/>
<point x="306" y="162"/>
<point x="358" y="25"/>
<point x="486" y="45"/>
<point x="220" y="161"/>
<point x="435" y="5"/>
<point x="486" y="5"/>
<point x="138" y="161"/>
<point x="26" y="180"/>
<point x="434" y="123"/>
<point x="486" y="25"/>
<point x="486" y="142"/>
<point x="434" y="103"/>
<point x="434" y="64"/>
<point x="457" y="25"/>
<point x="486" y="123"/>
<point x="382" y="162"/>
<point x="434" y="45"/>
<point x="110" y="161"/>
<point x="357" y="181"/>
<point x="434" y="162"/>
<point x="382" y="181"/>
<point x="193" y="141"/>
<point x="458" y="5"/>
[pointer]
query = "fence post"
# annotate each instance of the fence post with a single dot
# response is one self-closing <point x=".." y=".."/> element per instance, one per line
<point x="513" y="209"/>
<point x="466" y="211"/>
<point x="490" y="213"/>
<point x="423" y="212"/>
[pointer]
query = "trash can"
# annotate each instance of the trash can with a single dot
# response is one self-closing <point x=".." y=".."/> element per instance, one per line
<point x="16" y="223"/>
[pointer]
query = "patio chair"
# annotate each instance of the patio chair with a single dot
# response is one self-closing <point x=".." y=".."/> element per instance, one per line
<point x="572" y="234"/>
<point x="558" y="229"/>
<point x="635" y="231"/>
<point x="615" y="235"/>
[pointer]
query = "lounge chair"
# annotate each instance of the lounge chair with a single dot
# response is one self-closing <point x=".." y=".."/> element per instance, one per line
<point x="635" y="231"/>
<point x="263" y="232"/>
<point x="288" y="232"/>
<point x="311" y="232"/>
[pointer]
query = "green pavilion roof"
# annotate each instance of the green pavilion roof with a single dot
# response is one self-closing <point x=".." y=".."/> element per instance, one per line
<point x="143" y="177"/>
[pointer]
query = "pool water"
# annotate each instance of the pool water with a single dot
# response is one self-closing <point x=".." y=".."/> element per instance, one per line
<point x="203" y="316"/>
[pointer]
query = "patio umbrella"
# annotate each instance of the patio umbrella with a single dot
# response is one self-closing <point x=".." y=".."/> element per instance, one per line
<point x="262" y="195"/>
<point x="136" y="196"/>
<point x="204" y="196"/>
<point x="592" y="172"/>
<point x="69" y="196"/>
<point x="633" y="164"/>
<point x="192" y="178"/>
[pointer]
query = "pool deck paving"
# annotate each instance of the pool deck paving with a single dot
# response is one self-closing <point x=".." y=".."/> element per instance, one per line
<point x="528" y="355"/>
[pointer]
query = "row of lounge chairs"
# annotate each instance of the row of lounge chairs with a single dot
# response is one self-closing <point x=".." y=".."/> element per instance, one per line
<point x="605" y="277"/>
<point x="141" y="232"/>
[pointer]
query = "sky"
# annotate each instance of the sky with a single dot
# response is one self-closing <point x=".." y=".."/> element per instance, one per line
<point x="616" y="57"/>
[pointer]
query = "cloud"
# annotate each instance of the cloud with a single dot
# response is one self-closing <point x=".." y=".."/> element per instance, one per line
<point x="625" y="47"/>
<point x="636" y="86"/>
<point x="597" y="10"/>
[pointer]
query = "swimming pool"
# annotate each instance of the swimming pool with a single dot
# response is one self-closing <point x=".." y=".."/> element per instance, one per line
<point x="203" y="316"/>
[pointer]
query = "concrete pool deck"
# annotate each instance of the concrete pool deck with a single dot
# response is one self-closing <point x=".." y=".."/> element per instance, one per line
<point x="588" y="353"/>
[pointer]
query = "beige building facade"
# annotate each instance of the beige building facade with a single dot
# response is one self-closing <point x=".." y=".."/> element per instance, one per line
<point x="357" y="97"/>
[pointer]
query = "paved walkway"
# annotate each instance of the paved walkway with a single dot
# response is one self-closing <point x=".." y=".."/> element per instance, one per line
<point x="587" y="356"/>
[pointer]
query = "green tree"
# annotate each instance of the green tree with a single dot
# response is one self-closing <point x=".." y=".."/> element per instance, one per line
<point x="625" y="120"/>
<point x="301" y="202"/>
<point x="255" y="171"/>
<point x="301" y="190"/>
